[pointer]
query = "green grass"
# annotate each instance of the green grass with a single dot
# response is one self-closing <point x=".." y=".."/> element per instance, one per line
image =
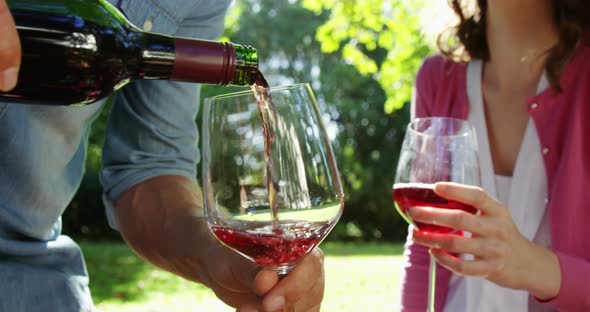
<point x="359" y="277"/>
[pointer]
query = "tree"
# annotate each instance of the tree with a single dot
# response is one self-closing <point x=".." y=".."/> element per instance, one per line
<point x="381" y="38"/>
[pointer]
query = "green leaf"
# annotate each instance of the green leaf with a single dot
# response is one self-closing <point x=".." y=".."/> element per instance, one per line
<point x="362" y="30"/>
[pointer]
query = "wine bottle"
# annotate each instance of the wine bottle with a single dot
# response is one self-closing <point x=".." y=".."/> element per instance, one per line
<point x="76" y="52"/>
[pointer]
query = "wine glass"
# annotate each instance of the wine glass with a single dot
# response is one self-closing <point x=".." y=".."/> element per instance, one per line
<point x="274" y="210"/>
<point x="435" y="149"/>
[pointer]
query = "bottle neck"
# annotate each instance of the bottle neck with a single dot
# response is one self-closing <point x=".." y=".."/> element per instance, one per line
<point x="193" y="60"/>
<point x="246" y="72"/>
<point x="203" y="61"/>
<point x="213" y="62"/>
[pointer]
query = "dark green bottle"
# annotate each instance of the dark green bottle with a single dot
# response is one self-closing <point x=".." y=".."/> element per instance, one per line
<point x="76" y="52"/>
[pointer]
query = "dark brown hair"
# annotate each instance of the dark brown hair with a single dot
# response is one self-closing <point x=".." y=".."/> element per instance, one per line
<point x="468" y="40"/>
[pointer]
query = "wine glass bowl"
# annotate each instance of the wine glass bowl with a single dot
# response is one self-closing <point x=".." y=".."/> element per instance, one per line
<point x="274" y="210"/>
<point x="435" y="149"/>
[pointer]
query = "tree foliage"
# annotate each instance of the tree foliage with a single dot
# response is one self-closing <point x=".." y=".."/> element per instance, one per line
<point x="381" y="38"/>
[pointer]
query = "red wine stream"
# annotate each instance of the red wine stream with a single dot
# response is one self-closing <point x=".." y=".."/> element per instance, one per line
<point x="268" y="117"/>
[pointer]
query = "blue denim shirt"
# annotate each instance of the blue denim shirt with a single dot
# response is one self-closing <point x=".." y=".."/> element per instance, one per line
<point x="151" y="131"/>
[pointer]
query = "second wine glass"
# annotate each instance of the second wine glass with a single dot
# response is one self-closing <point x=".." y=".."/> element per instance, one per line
<point x="435" y="149"/>
<point x="301" y="176"/>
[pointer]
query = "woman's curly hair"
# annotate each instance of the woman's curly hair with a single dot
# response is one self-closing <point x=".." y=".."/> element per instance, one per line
<point x="467" y="40"/>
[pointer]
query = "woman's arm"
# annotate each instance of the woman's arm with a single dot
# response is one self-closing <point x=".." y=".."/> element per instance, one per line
<point x="574" y="293"/>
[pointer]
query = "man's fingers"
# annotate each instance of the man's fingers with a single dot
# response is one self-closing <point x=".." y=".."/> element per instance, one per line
<point x="311" y="305"/>
<point x="249" y="307"/>
<point x="265" y="281"/>
<point x="237" y="275"/>
<point x="306" y="281"/>
<point x="10" y="49"/>
<point x="235" y="299"/>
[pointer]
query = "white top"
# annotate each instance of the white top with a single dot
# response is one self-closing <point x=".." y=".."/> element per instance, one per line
<point x="524" y="194"/>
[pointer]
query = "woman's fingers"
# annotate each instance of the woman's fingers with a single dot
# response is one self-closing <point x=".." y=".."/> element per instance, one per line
<point x="452" y="218"/>
<point x="472" y="268"/>
<point x="456" y="218"/>
<point x="469" y="195"/>
<point x="457" y="244"/>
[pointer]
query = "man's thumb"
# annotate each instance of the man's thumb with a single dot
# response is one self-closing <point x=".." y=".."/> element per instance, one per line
<point x="10" y="49"/>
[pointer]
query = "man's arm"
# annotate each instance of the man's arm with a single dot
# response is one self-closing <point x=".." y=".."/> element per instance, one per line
<point x="162" y="220"/>
<point x="10" y="50"/>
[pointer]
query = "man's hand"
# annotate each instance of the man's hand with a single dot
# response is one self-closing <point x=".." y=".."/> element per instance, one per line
<point x="302" y="289"/>
<point x="10" y="50"/>
<point x="162" y="220"/>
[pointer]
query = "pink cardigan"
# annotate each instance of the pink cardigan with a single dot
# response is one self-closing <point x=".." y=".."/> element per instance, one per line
<point x="563" y="125"/>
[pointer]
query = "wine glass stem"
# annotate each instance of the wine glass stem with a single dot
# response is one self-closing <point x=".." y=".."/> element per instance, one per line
<point x="288" y="308"/>
<point x="283" y="271"/>
<point x="431" y="284"/>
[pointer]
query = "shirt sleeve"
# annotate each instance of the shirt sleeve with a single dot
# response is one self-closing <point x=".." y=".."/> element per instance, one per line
<point x="424" y="91"/>
<point x="416" y="259"/>
<point x="574" y="294"/>
<point x="151" y="129"/>
<point x="414" y="281"/>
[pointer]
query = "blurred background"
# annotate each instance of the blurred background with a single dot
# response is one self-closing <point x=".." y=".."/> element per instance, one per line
<point x="361" y="57"/>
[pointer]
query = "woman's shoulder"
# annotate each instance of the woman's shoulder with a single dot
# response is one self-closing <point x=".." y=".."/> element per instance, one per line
<point x="576" y="73"/>
<point x="438" y="68"/>
<point x="439" y="73"/>
<point x="442" y="65"/>
<point x="580" y="60"/>
<point x="441" y="87"/>
<point x="584" y="51"/>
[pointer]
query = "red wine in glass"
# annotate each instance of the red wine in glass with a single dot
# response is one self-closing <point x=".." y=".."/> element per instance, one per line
<point x="272" y="246"/>
<point x="408" y="195"/>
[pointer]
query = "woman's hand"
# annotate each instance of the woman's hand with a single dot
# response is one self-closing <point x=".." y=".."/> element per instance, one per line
<point x="10" y="50"/>
<point x="501" y="253"/>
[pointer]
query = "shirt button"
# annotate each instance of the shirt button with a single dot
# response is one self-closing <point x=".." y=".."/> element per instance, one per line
<point x="148" y="24"/>
<point x="545" y="150"/>
<point x="534" y="105"/>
